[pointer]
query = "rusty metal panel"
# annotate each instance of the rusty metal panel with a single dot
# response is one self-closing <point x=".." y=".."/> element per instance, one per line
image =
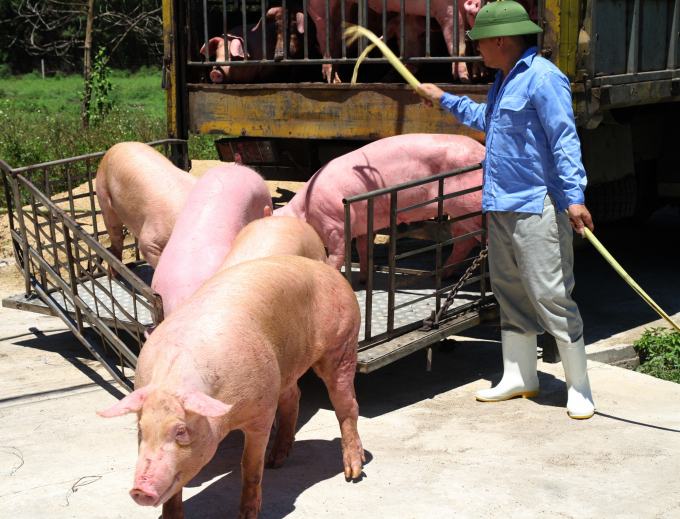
<point x="319" y="111"/>
<point x="655" y="20"/>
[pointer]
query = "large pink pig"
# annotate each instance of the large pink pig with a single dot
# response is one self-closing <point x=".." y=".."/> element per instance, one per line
<point x="441" y="10"/>
<point x="384" y="163"/>
<point x="139" y="188"/>
<point x="227" y="359"/>
<point x="275" y="236"/>
<point x="224" y="201"/>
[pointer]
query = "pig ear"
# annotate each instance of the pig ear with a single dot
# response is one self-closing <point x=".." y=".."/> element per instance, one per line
<point x="267" y="211"/>
<point x="212" y="46"/>
<point x="271" y="15"/>
<point x="196" y="402"/>
<point x="258" y="26"/>
<point x="236" y="48"/>
<point x="132" y="403"/>
<point x="203" y="49"/>
<point x="300" y="19"/>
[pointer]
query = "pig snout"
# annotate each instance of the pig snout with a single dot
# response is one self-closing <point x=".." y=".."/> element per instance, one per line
<point x="472" y="8"/>
<point x="144" y="497"/>
<point x="216" y="75"/>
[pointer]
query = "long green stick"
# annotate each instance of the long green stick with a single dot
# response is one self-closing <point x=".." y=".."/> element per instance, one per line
<point x="352" y="32"/>
<point x="610" y="259"/>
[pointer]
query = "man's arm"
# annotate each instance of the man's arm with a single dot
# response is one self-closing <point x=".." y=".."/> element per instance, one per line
<point x="552" y="99"/>
<point x="463" y="109"/>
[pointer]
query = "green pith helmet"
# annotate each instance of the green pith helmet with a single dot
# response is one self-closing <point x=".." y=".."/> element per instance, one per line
<point x="506" y="18"/>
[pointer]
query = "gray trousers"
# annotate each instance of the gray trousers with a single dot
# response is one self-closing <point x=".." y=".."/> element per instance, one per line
<point x="531" y="262"/>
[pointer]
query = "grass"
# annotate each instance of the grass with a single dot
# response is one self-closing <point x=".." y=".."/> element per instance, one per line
<point x="40" y="118"/>
<point x="659" y="352"/>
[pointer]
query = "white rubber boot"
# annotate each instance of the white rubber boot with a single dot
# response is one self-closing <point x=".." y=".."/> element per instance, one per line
<point x="519" y="369"/>
<point x="579" y="398"/>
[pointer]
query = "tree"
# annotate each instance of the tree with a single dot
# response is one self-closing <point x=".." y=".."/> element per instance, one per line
<point x="61" y="28"/>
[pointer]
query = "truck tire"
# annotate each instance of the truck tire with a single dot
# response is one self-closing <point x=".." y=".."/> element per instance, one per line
<point x="612" y="200"/>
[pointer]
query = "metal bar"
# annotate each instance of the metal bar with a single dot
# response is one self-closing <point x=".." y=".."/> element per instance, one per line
<point x="444" y="197"/>
<point x="360" y="23"/>
<point x="224" y="25"/>
<point x="413" y="183"/>
<point x="24" y="237"/>
<point x="384" y="20"/>
<point x="80" y="158"/>
<point x="304" y="10"/>
<point x="369" y="279"/>
<point x="328" y="29"/>
<point x="38" y="241"/>
<point x="633" y="47"/>
<point x="675" y="29"/>
<point x="402" y="43"/>
<point x="443" y="244"/>
<point x="205" y="32"/>
<point x="364" y="40"/>
<point x="444" y="223"/>
<point x="343" y="21"/>
<point x="482" y="268"/>
<point x="440" y="218"/>
<point x="264" y="27"/>
<point x="456" y="53"/>
<point x="245" y="32"/>
<point x="348" y="244"/>
<point x="428" y="11"/>
<point x="333" y="61"/>
<point x="73" y="280"/>
<point x="435" y="293"/>
<point x="392" y="262"/>
<point x="91" y="194"/>
<point x="412" y="279"/>
<point x="285" y="29"/>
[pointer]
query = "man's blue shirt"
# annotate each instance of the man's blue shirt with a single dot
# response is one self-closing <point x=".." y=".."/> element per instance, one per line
<point x="531" y="141"/>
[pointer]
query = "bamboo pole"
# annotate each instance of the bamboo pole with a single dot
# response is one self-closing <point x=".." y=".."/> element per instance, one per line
<point x="610" y="259"/>
<point x="352" y="32"/>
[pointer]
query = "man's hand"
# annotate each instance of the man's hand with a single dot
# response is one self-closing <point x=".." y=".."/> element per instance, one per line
<point x="579" y="217"/>
<point x="432" y="94"/>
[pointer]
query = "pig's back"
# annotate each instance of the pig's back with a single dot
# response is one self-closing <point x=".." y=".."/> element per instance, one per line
<point x="222" y="202"/>
<point x="275" y="236"/>
<point x="143" y="183"/>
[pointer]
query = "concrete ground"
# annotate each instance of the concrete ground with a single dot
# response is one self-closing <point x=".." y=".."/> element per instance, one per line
<point x="432" y="450"/>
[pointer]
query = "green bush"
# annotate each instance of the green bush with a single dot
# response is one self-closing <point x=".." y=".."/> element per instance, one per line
<point x="659" y="352"/>
<point x="5" y="72"/>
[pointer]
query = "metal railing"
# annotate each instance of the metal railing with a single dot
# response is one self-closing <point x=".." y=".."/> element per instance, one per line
<point x="411" y="276"/>
<point x="339" y="24"/>
<point x="62" y="254"/>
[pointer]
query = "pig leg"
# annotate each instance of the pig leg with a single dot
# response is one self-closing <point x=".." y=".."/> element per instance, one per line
<point x="285" y="432"/>
<point x="337" y="371"/>
<point x="336" y="249"/>
<point x="460" y="249"/>
<point x="149" y="247"/>
<point x="173" y="507"/>
<point x="113" y="223"/>
<point x="362" y="248"/>
<point x="252" y="467"/>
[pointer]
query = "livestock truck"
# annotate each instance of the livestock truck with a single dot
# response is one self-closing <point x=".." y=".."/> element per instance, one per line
<point x="621" y="58"/>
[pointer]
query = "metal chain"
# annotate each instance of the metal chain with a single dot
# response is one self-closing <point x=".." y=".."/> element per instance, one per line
<point x="433" y="321"/>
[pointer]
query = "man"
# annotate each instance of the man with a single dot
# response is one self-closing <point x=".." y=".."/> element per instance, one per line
<point x="532" y="173"/>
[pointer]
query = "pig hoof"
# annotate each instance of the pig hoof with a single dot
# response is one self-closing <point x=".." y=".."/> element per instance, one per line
<point x="249" y="510"/>
<point x="277" y="456"/>
<point x="353" y="456"/>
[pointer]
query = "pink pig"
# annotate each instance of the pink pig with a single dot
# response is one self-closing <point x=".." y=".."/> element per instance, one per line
<point x="236" y="52"/>
<point x="441" y="10"/>
<point x="385" y="163"/>
<point x="275" y="236"/>
<point x="226" y="361"/>
<point x="140" y="188"/>
<point x="224" y="201"/>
